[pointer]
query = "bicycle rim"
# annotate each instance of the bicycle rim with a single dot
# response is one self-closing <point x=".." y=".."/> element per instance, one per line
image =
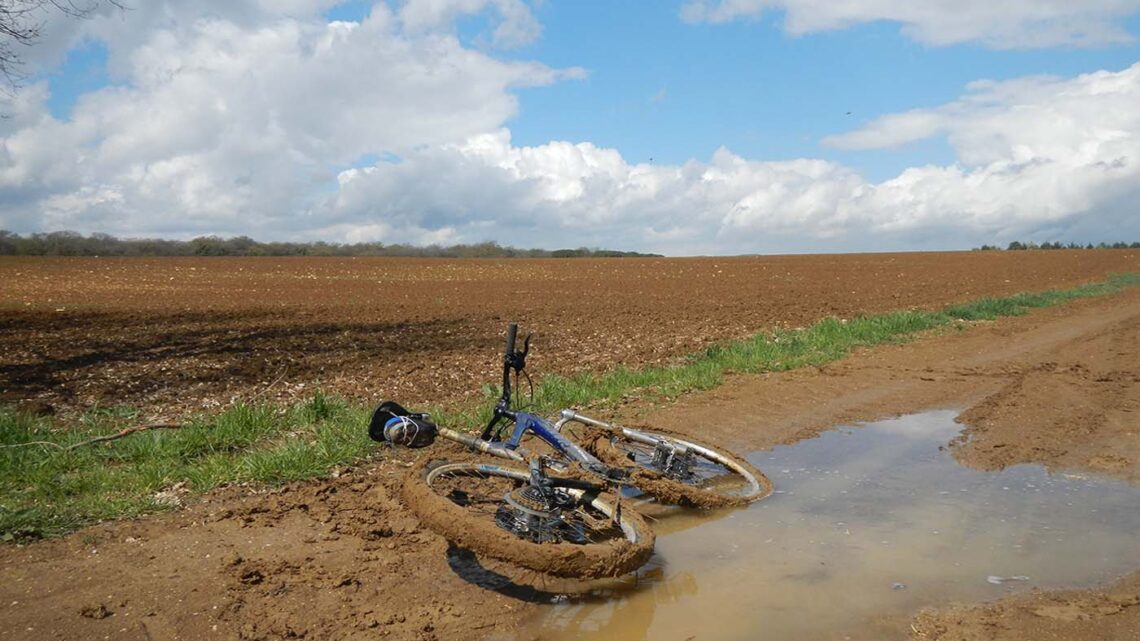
<point x="713" y="478"/>
<point x="468" y="504"/>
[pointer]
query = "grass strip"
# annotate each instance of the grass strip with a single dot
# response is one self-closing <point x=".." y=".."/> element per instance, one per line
<point x="46" y="490"/>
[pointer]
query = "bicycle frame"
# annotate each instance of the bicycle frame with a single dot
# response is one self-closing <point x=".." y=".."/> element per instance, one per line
<point x="525" y="422"/>
<point x="551" y="434"/>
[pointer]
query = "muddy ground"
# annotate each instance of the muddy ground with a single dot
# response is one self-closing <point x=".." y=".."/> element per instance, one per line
<point x="342" y="559"/>
<point x="1060" y="387"/>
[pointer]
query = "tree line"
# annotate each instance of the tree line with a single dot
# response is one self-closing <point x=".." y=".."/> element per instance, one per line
<point x="69" y="243"/>
<point x="1018" y="245"/>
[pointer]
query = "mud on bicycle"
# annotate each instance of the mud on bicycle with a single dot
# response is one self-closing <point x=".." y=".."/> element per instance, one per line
<point x="561" y="511"/>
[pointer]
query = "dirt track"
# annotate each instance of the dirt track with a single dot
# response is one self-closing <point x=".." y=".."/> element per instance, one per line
<point x="341" y="559"/>
<point x="1060" y="388"/>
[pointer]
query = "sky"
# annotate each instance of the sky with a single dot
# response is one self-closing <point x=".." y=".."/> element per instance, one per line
<point x="681" y="127"/>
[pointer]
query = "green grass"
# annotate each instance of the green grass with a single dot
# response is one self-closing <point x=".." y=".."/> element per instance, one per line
<point x="47" y="489"/>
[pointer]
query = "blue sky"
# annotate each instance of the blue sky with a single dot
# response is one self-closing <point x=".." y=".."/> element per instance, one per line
<point x="682" y="127"/>
<point x="751" y="87"/>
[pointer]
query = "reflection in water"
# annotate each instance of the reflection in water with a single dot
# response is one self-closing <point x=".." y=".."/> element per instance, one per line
<point x="618" y="616"/>
<point x="867" y="525"/>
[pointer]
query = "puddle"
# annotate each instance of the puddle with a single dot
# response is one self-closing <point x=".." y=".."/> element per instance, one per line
<point x="867" y="526"/>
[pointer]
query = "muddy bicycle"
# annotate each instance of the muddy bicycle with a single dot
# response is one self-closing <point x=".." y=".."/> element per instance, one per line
<point x="562" y="508"/>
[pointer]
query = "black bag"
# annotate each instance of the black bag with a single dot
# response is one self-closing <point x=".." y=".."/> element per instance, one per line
<point x="393" y="423"/>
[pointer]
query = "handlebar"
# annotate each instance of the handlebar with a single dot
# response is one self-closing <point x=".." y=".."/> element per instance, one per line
<point x="512" y="333"/>
<point x="512" y="359"/>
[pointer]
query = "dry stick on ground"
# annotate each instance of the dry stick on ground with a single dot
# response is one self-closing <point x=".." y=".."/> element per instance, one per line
<point x="124" y="432"/>
<point x="131" y="430"/>
<point x="49" y="443"/>
<point x="284" y="371"/>
<point x="100" y="439"/>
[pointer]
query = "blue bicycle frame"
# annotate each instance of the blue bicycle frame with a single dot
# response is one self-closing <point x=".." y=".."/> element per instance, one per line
<point x="525" y="422"/>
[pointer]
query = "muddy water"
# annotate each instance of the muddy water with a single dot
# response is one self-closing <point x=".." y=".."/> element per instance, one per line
<point x="867" y="526"/>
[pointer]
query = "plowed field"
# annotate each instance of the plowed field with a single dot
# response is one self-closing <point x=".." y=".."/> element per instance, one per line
<point x="341" y="558"/>
<point x="175" y="335"/>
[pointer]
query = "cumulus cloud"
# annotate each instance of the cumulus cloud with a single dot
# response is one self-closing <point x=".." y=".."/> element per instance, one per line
<point x="234" y="119"/>
<point x="1019" y="120"/>
<point x="512" y="22"/>
<point x="257" y="118"/>
<point x="1001" y="25"/>
<point x="515" y="24"/>
<point x="1040" y="158"/>
<point x="122" y="30"/>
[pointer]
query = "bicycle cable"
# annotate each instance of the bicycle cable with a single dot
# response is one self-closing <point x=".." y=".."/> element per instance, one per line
<point x="530" y="386"/>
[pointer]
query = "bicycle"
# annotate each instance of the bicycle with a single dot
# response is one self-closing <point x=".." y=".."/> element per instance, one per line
<point x="472" y="504"/>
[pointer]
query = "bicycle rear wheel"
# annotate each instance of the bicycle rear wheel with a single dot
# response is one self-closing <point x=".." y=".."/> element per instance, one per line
<point x="493" y="510"/>
<point x="679" y="469"/>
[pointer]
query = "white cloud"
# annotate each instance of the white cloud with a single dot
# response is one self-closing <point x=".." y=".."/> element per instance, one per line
<point x="123" y="30"/>
<point x="1040" y="158"/>
<point x="234" y="119"/>
<point x="515" y="25"/>
<point x="1002" y="25"/>
<point x="246" y="118"/>
<point x="1080" y="120"/>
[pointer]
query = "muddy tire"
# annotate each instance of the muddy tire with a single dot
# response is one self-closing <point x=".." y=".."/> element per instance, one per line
<point x="461" y="501"/>
<point x="718" y="479"/>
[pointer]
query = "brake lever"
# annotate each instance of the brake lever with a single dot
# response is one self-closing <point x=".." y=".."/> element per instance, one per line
<point x="517" y="361"/>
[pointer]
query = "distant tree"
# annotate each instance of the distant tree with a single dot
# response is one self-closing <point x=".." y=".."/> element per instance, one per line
<point x="1015" y="245"/>
<point x="486" y="249"/>
<point x="63" y="243"/>
<point x="239" y="246"/>
<point x="9" y="243"/>
<point x="208" y="246"/>
<point x="69" y="243"/>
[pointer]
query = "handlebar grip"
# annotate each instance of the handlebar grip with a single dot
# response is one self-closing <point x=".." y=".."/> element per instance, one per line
<point x="512" y="333"/>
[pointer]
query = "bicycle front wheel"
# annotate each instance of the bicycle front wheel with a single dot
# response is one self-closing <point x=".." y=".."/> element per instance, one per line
<point x="493" y="510"/>
<point x="681" y="470"/>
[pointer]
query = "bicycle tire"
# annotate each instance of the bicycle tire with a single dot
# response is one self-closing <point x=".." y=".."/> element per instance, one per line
<point x="740" y="482"/>
<point x="465" y="518"/>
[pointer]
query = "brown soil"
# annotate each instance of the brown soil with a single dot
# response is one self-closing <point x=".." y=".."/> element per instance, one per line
<point x="176" y="335"/>
<point x="343" y="559"/>
<point x="1107" y="614"/>
<point x="336" y="559"/>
